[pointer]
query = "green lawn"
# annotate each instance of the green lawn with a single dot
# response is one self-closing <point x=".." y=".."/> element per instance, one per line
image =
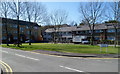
<point x="75" y="48"/>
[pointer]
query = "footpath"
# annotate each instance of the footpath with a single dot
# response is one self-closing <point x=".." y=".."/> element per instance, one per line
<point x="77" y="54"/>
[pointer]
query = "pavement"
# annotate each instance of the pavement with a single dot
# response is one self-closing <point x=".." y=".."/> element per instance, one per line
<point x="77" y="54"/>
<point x="27" y="61"/>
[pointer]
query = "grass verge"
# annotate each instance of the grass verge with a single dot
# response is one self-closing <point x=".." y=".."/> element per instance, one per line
<point x="73" y="48"/>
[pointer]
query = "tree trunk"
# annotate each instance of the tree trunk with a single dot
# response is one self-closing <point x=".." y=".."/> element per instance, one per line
<point x="92" y="35"/>
<point x="54" y="35"/>
<point x="30" y="36"/>
<point x="18" y="40"/>
<point x="6" y="32"/>
<point x="115" y="42"/>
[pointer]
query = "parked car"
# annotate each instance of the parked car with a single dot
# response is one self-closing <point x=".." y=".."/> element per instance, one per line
<point x="85" y="42"/>
<point x="29" y="41"/>
<point x="78" y="39"/>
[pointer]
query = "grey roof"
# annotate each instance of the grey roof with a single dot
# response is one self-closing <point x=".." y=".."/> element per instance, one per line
<point x="80" y="28"/>
<point x="21" y="22"/>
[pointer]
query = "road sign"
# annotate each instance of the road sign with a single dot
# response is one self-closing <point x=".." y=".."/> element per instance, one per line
<point x="104" y="45"/>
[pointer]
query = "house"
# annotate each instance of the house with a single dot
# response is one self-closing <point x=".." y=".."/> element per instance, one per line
<point x="104" y="31"/>
<point x="24" y="30"/>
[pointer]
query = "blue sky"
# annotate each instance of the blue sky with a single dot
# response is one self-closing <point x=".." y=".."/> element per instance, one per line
<point x="70" y="7"/>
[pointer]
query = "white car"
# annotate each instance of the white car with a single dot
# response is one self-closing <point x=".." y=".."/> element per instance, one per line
<point x="85" y="42"/>
<point x="29" y="41"/>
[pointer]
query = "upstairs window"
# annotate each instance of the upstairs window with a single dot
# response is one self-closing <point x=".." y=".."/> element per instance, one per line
<point x="98" y="31"/>
<point x="110" y="30"/>
<point x="35" y="27"/>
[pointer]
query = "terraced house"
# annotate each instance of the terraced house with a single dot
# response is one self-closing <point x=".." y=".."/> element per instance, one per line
<point x="24" y="30"/>
<point x="105" y="31"/>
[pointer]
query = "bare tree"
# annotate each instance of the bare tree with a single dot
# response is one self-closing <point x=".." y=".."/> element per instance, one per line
<point x="114" y="12"/>
<point x="5" y="12"/>
<point x="29" y="14"/>
<point x="39" y="13"/>
<point x="58" y="17"/>
<point x="17" y="10"/>
<point x="91" y="13"/>
<point x="34" y="12"/>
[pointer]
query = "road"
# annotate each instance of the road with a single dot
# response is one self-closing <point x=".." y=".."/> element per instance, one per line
<point x="26" y="61"/>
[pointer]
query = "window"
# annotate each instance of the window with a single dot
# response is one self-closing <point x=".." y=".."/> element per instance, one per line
<point x="21" y="39"/>
<point x="21" y="28"/>
<point x="15" y="37"/>
<point x="97" y="38"/>
<point x="69" y="32"/>
<point x="118" y="30"/>
<point x="44" y="33"/>
<point x="14" y="31"/>
<point x="35" y="27"/>
<point x="3" y="31"/>
<point x="64" y="33"/>
<point x="98" y="31"/>
<point x="27" y="27"/>
<point x="110" y="38"/>
<point x="60" y="33"/>
<point x="27" y="32"/>
<point x="111" y="30"/>
<point x="1" y="24"/>
<point x="82" y="32"/>
<point x="15" y="26"/>
<point x="90" y="31"/>
<point x="4" y="37"/>
<point x="86" y="32"/>
<point x="27" y="37"/>
<point x="77" y="32"/>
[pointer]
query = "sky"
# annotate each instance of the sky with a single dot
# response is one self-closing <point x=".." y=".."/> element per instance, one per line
<point x="70" y="7"/>
<point x="73" y="10"/>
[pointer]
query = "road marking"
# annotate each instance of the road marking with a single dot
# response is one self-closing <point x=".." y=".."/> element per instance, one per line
<point x="19" y="55"/>
<point x="32" y="58"/>
<point x="32" y="52"/>
<point x="71" y="68"/>
<point x="4" y="51"/>
<point x="7" y="67"/>
<point x="4" y="67"/>
<point x="26" y="57"/>
<point x="108" y="61"/>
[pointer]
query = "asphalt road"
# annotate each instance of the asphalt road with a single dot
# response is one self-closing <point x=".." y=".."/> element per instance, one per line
<point x="26" y="61"/>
